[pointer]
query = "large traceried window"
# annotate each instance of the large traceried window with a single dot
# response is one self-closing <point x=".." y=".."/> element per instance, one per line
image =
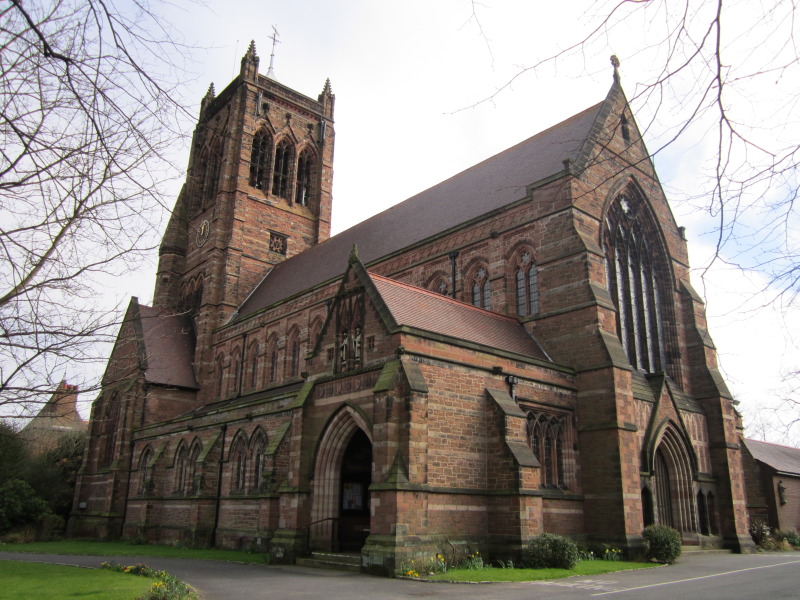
<point x="638" y="276"/>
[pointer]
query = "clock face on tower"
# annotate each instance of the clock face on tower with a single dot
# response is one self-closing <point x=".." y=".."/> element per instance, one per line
<point x="202" y="233"/>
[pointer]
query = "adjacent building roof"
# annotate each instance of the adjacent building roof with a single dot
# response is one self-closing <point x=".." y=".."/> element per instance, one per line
<point x="487" y="186"/>
<point x="428" y="311"/>
<point x="168" y="346"/>
<point x="781" y="458"/>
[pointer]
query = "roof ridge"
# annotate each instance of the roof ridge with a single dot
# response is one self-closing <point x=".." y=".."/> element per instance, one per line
<point x="442" y="297"/>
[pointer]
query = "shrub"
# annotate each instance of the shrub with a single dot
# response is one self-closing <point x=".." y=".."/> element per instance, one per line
<point x="760" y="532"/>
<point x="550" y="551"/>
<point x="663" y="543"/>
<point x="789" y="535"/>
<point x="19" y="505"/>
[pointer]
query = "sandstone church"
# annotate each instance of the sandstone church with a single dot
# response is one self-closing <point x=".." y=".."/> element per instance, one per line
<point x="513" y="351"/>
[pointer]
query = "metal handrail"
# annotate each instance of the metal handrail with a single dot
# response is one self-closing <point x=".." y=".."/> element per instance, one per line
<point x="308" y="526"/>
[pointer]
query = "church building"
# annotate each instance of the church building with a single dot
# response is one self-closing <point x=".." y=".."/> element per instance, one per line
<point x="513" y="351"/>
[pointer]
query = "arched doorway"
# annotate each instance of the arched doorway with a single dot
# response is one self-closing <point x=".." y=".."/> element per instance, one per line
<point x="340" y="505"/>
<point x="356" y="476"/>
<point x="672" y="468"/>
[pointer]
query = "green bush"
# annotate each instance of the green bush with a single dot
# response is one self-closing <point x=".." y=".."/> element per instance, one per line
<point x="550" y="551"/>
<point x="789" y="535"/>
<point x="19" y="505"/>
<point x="663" y="543"/>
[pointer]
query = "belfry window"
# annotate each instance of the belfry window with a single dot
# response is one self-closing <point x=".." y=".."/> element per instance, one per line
<point x="636" y="272"/>
<point x="259" y="160"/>
<point x="282" y="170"/>
<point x="305" y="166"/>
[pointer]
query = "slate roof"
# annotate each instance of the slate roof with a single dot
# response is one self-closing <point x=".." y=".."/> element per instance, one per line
<point x="781" y="458"/>
<point x="428" y="311"/>
<point x="168" y="348"/>
<point x="487" y="186"/>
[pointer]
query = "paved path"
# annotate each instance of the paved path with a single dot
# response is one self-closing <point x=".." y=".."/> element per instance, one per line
<point x="772" y="576"/>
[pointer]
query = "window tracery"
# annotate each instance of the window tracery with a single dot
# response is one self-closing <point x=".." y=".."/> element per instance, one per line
<point x="349" y="327"/>
<point x="481" y="289"/>
<point x="526" y="285"/>
<point x="550" y="437"/>
<point x="635" y="272"/>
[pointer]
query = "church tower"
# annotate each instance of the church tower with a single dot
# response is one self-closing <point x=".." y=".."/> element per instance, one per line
<point x="258" y="190"/>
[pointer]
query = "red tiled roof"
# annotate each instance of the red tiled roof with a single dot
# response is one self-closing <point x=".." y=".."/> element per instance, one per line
<point x="429" y="311"/>
<point x="169" y="348"/>
<point x="781" y="458"/>
<point x="487" y="186"/>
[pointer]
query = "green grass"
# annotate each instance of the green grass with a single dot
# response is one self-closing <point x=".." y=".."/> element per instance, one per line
<point x="585" y="567"/>
<point x="122" y="549"/>
<point x="37" y="581"/>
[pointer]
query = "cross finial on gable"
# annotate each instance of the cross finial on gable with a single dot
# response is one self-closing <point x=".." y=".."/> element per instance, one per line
<point x="615" y="64"/>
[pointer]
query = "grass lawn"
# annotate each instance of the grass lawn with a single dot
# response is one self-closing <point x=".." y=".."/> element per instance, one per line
<point x="123" y="549"/>
<point x="585" y="567"/>
<point x="37" y="581"/>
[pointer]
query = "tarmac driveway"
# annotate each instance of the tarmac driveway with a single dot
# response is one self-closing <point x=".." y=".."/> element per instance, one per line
<point x="731" y="576"/>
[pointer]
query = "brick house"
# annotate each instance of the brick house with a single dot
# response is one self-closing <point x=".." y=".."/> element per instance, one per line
<point x="57" y="418"/>
<point x="516" y="350"/>
<point x="772" y="474"/>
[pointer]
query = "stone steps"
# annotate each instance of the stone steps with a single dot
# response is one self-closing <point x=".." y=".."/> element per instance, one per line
<point x="337" y="561"/>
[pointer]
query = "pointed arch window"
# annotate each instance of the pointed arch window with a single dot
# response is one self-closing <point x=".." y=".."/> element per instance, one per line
<point x="211" y="164"/>
<point x="239" y="465"/>
<point x="282" y="169"/>
<point x="272" y="375"/>
<point x="481" y="289"/>
<point x="259" y="445"/>
<point x="259" y="160"/>
<point x="109" y="429"/>
<point x="305" y="177"/>
<point x="550" y="437"/>
<point x="181" y="469"/>
<point x="636" y="271"/>
<point x="294" y="356"/>
<point x="145" y="471"/>
<point x="526" y="285"/>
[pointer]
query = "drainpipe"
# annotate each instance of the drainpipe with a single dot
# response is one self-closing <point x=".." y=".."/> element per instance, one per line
<point x="453" y="256"/>
<point x="241" y="365"/>
<point x="219" y="487"/>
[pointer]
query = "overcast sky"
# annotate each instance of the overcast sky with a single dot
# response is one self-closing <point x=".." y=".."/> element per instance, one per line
<point x="410" y="80"/>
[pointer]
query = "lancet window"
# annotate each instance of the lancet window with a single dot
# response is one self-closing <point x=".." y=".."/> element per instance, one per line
<point x="481" y="289"/>
<point x="305" y="173"/>
<point x="282" y="169"/>
<point x="526" y="285"/>
<point x="551" y="439"/>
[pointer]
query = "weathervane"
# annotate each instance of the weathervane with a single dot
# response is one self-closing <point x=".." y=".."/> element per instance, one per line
<point x="274" y="38"/>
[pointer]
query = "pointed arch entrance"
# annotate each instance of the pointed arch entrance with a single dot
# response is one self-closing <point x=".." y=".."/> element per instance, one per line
<point x="673" y="498"/>
<point x="340" y="506"/>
